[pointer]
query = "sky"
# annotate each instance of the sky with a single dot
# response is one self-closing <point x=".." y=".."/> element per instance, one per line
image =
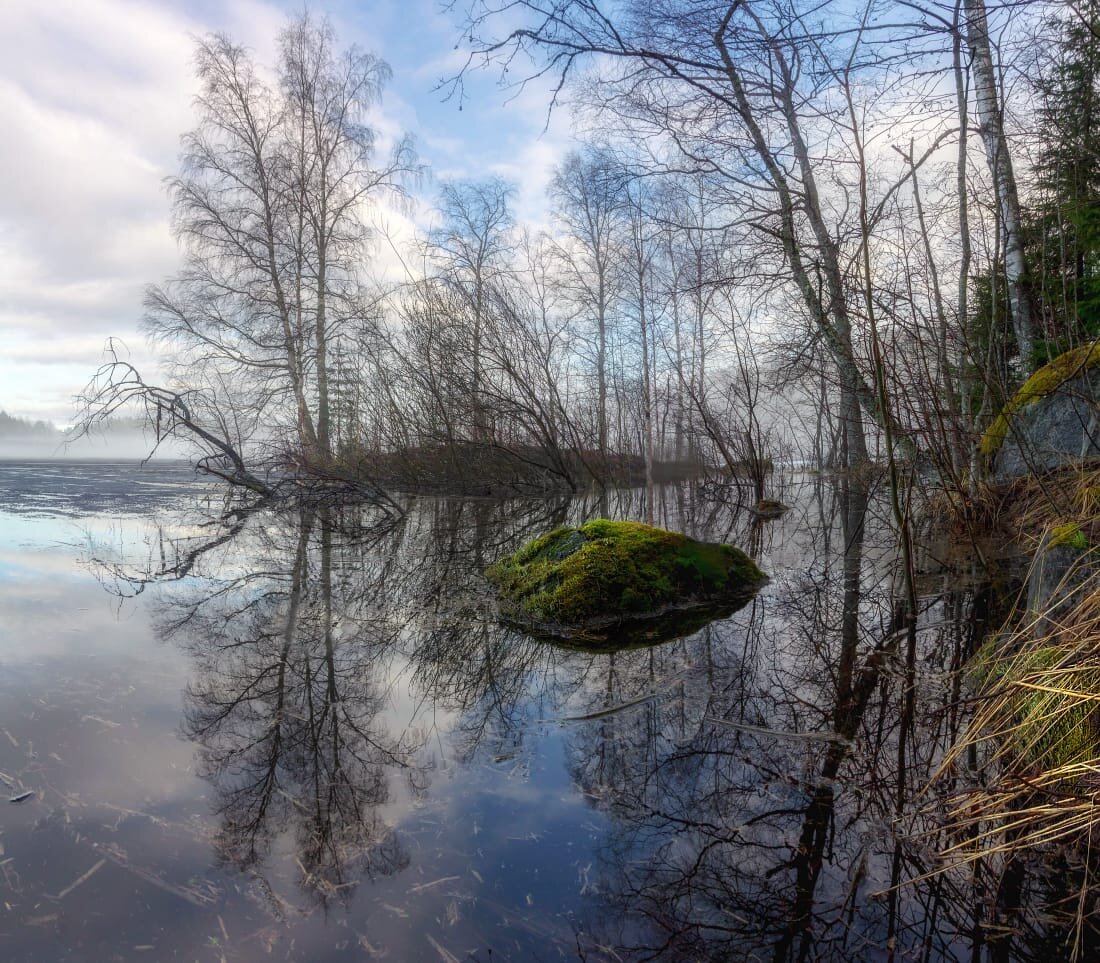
<point x="95" y="95"/>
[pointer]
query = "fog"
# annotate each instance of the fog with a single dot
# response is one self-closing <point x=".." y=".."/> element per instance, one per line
<point x="117" y="445"/>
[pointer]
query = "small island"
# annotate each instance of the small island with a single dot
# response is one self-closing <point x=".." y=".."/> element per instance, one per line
<point x="621" y="583"/>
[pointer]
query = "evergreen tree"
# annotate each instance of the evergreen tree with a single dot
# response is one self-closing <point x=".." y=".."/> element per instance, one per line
<point x="1065" y="213"/>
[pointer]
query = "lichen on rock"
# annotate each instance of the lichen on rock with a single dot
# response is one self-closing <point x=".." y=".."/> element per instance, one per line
<point x="578" y="581"/>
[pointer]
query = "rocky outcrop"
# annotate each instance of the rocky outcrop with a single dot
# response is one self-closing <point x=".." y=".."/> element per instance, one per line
<point x="1052" y="422"/>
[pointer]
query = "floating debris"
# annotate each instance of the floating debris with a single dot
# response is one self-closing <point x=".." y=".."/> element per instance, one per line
<point x="825" y="736"/>
<point x="444" y="954"/>
<point x="103" y="722"/>
<point x="420" y="887"/>
<point x="80" y="880"/>
<point x="21" y="797"/>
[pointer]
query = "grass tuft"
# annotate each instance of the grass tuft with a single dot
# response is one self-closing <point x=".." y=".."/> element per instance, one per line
<point x="1038" y="730"/>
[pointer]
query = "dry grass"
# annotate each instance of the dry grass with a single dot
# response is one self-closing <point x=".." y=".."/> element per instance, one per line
<point x="1036" y="503"/>
<point x="1025" y="510"/>
<point x="1033" y="744"/>
<point x="1037" y="730"/>
<point x="1022" y="784"/>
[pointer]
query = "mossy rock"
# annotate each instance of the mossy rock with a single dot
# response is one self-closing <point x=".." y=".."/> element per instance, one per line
<point x="1074" y="364"/>
<point x="618" y="580"/>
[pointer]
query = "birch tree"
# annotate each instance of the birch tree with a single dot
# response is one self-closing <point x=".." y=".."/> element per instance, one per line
<point x="269" y="209"/>
<point x="587" y="202"/>
<point x="987" y="101"/>
<point x="471" y="249"/>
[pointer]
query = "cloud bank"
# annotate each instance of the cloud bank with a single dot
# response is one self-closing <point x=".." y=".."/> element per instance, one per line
<point x="95" y="95"/>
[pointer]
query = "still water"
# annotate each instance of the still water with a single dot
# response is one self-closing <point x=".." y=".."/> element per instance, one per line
<point x="289" y="735"/>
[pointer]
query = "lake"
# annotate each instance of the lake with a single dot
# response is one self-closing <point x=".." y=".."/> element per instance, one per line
<point x="253" y="735"/>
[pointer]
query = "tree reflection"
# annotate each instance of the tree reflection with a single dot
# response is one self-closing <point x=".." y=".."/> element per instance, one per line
<point x="761" y="813"/>
<point x="285" y="707"/>
<point x="297" y="638"/>
<point x="758" y="782"/>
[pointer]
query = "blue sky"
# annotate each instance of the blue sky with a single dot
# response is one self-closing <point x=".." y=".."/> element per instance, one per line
<point x="95" y="94"/>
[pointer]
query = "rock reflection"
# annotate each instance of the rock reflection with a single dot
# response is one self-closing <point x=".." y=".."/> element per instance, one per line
<point x="758" y="783"/>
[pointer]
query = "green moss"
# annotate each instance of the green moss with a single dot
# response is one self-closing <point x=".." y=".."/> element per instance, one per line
<point x="1043" y="382"/>
<point x="606" y="571"/>
<point x="1069" y="535"/>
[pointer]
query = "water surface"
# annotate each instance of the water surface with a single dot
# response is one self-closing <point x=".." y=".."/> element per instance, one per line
<point x="295" y="735"/>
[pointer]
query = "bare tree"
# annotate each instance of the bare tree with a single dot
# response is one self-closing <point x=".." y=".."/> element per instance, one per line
<point x="586" y="195"/>
<point x="268" y="208"/>
<point x="326" y="95"/>
<point x="729" y="87"/>
<point x="472" y="248"/>
<point x="640" y="254"/>
<point x="201" y="417"/>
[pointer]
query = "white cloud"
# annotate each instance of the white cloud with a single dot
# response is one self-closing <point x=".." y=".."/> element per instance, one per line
<point x="95" y="95"/>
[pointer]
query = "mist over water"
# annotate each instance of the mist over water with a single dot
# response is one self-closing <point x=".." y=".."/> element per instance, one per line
<point x="117" y="445"/>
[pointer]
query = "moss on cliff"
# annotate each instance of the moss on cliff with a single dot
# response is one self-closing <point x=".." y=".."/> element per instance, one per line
<point x="605" y="572"/>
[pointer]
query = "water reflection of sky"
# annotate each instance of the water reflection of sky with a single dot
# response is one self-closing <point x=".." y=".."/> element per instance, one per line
<point x="304" y="737"/>
<point x="90" y="719"/>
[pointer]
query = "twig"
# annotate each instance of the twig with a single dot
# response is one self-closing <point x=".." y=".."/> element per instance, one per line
<point x="79" y="880"/>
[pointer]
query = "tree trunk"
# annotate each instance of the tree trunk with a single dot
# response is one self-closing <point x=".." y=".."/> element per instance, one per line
<point x="601" y="370"/>
<point x="830" y="314"/>
<point x="647" y="389"/>
<point x="1020" y="297"/>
